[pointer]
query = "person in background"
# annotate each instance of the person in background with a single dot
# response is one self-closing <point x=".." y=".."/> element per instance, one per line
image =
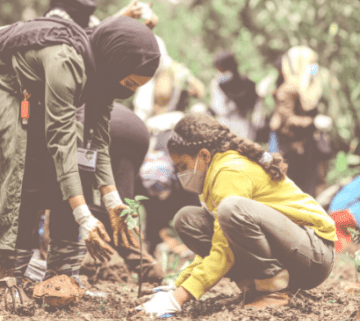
<point x="81" y="12"/>
<point x="296" y="116"/>
<point x="159" y="182"/>
<point x="234" y="99"/>
<point x="255" y="225"/>
<point x="171" y="87"/>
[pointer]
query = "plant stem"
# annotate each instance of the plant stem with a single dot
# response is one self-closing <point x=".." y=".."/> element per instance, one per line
<point x="141" y="260"/>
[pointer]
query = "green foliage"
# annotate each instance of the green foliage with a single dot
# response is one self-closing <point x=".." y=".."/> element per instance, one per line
<point x="257" y="32"/>
<point x="134" y="206"/>
<point x="344" y="165"/>
<point x="171" y="267"/>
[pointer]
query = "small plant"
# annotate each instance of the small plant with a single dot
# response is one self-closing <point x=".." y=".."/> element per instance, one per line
<point x="45" y="305"/>
<point x="134" y="206"/>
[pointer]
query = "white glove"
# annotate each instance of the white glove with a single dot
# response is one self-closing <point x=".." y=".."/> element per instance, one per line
<point x="85" y="219"/>
<point x="165" y="288"/>
<point x="161" y="303"/>
<point x="112" y="200"/>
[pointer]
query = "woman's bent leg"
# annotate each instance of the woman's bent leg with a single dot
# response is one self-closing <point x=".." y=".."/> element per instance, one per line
<point x="195" y="226"/>
<point x="264" y="234"/>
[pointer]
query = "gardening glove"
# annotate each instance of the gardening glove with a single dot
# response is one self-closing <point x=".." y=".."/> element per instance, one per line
<point x="114" y="206"/>
<point x="93" y="233"/>
<point x="162" y="304"/>
<point x="165" y="288"/>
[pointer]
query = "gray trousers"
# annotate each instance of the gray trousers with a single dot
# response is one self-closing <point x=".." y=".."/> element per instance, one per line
<point x="263" y="241"/>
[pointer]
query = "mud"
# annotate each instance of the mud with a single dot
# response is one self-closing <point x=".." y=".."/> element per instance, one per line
<point x="337" y="299"/>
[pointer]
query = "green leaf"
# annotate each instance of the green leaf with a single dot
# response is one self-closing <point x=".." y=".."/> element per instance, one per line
<point x="175" y="262"/>
<point x="139" y="198"/>
<point x="129" y="201"/>
<point x="131" y="222"/>
<point x="126" y="212"/>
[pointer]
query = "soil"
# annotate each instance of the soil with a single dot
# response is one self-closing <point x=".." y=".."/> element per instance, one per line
<point x="337" y="299"/>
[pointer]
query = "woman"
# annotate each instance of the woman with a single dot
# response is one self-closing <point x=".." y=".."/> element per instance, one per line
<point x="256" y="226"/>
<point x="61" y="67"/>
<point x="296" y="97"/>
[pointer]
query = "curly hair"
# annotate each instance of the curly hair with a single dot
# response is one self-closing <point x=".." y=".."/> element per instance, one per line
<point x="197" y="131"/>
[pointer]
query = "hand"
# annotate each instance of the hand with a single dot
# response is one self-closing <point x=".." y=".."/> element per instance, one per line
<point x="133" y="10"/>
<point x="93" y="233"/>
<point x="196" y="88"/>
<point x="115" y="207"/>
<point x="119" y="226"/>
<point x="165" y="288"/>
<point x="151" y="23"/>
<point x="160" y="303"/>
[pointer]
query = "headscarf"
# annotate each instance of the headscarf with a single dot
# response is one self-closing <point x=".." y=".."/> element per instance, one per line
<point x="122" y="46"/>
<point x="79" y="10"/>
<point x="225" y="60"/>
<point x="238" y="88"/>
<point x="296" y="60"/>
<point x="300" y="68"/>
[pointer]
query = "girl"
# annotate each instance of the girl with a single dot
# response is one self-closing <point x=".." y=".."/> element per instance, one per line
<point x="255" y="226"/>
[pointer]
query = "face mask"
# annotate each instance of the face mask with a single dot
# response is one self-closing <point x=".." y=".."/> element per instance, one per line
<point x="192" y="180"/>
<point x="122" y="92"/>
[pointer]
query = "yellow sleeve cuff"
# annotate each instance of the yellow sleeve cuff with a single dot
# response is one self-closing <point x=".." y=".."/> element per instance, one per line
<point x="195" y="287"/>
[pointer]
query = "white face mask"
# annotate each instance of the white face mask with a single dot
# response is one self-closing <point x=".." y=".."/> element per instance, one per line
<point x="192" y="180"/>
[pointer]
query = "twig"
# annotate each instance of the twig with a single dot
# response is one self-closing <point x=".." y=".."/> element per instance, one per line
<point x="141" y="261"/>
<point x="291" y="300"/>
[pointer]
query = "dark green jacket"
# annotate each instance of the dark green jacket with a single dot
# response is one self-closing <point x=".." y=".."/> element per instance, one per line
<point x="60" y="74"/>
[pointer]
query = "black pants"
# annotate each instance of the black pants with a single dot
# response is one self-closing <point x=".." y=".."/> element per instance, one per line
<point x="303" y="169"/>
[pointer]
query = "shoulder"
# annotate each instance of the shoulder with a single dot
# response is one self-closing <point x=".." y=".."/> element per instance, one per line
<point x="60" y="54"/>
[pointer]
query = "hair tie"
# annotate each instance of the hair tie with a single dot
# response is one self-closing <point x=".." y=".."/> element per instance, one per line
<point x="266" y="158"/>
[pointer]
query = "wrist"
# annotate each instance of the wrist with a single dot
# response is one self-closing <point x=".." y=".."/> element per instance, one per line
<point x="181" y="295"/>
<point x="105" y="189"/>
<point x="76" y="201"/>
<point x="81" y="213"/>
<point x="111" y="200"/>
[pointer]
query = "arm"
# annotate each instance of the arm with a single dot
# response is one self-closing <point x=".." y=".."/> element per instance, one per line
<point x="215" y="266"/>
<point x="218" y="99"/>
<point x="286" y="99"/>
<point x="64" y="80"/>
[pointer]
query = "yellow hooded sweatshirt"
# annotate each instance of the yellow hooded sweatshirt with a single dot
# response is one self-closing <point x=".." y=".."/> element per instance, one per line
<point x="231" y="174"/>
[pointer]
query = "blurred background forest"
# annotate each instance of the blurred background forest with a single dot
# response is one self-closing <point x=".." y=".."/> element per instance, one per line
<point x="257" y="32"/>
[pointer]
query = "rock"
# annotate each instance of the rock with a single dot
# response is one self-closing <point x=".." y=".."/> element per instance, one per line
<point x="88" y="317"/>
<point x="59" y="291"/>
<point x="353" y="288"/>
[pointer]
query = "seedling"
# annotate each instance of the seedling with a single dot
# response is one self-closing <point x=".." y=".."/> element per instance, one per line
<point x="134" y="206"/>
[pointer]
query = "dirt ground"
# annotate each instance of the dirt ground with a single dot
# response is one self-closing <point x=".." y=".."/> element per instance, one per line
<point x="337" y="299"/>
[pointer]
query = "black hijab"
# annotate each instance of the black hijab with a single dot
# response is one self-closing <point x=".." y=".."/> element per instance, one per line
<point x="121" y="46"/>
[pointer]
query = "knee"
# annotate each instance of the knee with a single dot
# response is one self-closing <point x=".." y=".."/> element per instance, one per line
<point x="181" y="218"/>
<point x="232" y="207"/>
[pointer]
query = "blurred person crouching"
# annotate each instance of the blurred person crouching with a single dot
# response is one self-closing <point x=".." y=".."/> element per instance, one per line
<point x="159" y="182"/>
<point x="170" y="89"/>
